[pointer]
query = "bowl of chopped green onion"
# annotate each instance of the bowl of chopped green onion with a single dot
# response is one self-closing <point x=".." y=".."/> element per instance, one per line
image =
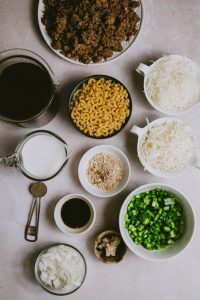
<point x="156" y="221"/>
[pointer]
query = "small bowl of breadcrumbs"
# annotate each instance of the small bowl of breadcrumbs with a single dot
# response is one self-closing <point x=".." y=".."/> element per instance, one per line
<point x="104" y="171"/>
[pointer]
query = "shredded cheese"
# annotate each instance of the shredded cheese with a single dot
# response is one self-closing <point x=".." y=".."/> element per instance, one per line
<point x="168" y="147"/>
<point x="173" y="83"/>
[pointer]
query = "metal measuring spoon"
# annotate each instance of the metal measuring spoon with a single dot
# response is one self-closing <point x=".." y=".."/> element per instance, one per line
<point x="38" y="190"/>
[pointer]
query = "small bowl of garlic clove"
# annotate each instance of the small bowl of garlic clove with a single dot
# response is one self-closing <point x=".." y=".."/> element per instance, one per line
<point x="109" y="247"/>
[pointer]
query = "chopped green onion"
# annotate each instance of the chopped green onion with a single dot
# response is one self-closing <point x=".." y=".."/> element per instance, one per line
<point x="154" y="219"/>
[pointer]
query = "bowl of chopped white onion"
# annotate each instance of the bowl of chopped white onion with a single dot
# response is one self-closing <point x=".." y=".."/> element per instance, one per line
<point x="60" y="269"/>
<point x="172" y="84"/>
<point x="166" y="147"/>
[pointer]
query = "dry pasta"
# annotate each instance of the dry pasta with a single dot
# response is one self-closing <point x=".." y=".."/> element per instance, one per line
<point x="100" y="107"/>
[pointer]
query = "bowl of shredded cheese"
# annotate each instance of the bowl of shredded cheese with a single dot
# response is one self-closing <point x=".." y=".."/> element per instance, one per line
<point x="166" y="147"/>
<point x="172" y="84"/>
<point x="104" y="171"/>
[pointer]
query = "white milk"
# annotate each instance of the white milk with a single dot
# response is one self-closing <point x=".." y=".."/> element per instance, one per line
<point x="43" y="155"/>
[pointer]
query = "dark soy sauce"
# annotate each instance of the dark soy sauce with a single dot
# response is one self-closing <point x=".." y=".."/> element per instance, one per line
<point x="75" y="213"/>
<point x="25" y="90"/>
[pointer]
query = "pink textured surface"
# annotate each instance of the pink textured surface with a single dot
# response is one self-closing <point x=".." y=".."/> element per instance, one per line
<point x="171" y="27"/>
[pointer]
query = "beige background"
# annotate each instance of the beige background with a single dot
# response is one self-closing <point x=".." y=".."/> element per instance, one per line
<point x="171" y="27"/>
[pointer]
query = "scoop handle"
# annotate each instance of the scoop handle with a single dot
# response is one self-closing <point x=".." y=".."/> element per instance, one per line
<point x="31" y="231"/>
<point x="142" y="69"/>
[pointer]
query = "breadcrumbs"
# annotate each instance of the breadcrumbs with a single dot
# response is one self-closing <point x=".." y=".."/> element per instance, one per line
<point x="105" y="171"/>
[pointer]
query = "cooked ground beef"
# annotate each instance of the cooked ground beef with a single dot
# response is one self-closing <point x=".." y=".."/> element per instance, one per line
<point x="90" y="30"/>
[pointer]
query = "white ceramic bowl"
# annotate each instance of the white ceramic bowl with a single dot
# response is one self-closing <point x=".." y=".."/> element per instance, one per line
<point x="62" y="226"/>
<point x="141" y="132"/>
<point x="169" y="251"/>
<point x="145" y="70"/>
<point x="83" y="165"/>
<point x="126" y="45"/>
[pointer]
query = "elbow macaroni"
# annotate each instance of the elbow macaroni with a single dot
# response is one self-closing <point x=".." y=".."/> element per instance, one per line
<point x="100" y="107"/>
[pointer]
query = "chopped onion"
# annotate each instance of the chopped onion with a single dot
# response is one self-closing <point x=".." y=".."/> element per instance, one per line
<point x="62" y="267"/>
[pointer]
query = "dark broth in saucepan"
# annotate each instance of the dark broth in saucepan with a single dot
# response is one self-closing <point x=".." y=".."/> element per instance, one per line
<point x="75" y="213"/>
<point x="25" y="90"/>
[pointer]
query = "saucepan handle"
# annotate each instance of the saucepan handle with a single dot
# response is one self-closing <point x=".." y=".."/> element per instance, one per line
<point x="142" y="69"/>
<point x="137" y="130"/>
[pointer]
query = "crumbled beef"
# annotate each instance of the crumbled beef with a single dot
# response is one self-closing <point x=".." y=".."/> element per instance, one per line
<point x="101" y="4"/>
<point x="97" y="58"/>
<point x="90" y="30"/>
<point x="125" y="4"/>
<point x="107" y="53"/>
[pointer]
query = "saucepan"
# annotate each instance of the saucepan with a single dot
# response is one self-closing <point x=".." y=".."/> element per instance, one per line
<point x="142" y="133"/>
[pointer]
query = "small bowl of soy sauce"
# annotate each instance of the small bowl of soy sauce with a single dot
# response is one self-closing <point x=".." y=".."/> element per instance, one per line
<point x="74" y="214"/>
